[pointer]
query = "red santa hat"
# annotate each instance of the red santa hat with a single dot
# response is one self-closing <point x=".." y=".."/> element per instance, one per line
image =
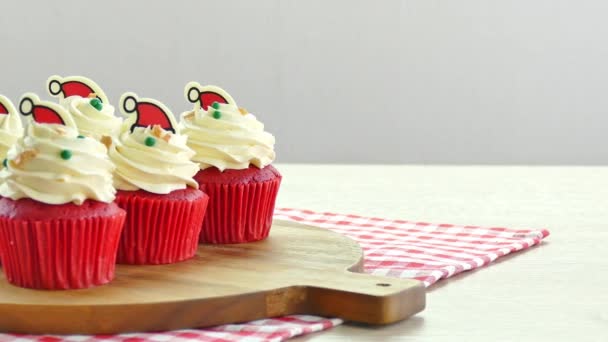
<point x="74" y="86"/>
<point x="6" y="106"/>
<point x="149" y="112"/>
<point x="44" y="112"/>
<point x="204" y="96"/>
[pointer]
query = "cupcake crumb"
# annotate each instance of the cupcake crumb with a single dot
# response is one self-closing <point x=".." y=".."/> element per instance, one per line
<point x="189" y="116"/>
<point x="24" y="157"/>
<point x="59" y="130"/>
<point x="107" y="141"/>
<point x="62" y="179"/>
<point x="158" y="132"/>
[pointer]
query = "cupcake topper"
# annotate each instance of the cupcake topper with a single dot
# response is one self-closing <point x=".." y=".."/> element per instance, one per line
<point x="205" y="96"/>
<point x="44" y="112"/>
<point x="63" y="87"/>
<point x="149" y="112"/>
<point x="6" y="106"/>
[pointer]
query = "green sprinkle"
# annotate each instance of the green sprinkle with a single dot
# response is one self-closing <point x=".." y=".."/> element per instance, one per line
<point x="66" y="154"/>
<point x="215" y="105"/>
<point x="81" y="137"/>
<point x="5" y="162"/>
<point x="217" y="114"/>
<point x="150" y="141"/>
<point x="96" y="103"/>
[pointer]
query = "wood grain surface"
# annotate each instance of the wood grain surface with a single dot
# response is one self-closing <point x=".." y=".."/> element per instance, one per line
<point x="298" y="269"/>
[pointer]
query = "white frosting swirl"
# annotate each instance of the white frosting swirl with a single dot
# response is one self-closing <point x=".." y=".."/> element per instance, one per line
<point x="232" y="141"/>
<point x="91" y="121"/>
<point x="11" y="129"/>
<point x="37" y="168"/>
<point x="160" y="169"/>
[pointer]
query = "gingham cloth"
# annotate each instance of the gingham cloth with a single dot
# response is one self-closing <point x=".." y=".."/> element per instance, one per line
<point x="424" y="251"/>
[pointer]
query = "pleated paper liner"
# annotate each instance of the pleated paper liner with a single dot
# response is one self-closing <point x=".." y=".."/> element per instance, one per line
<point x="160" y="229"/>
<point x="61" y="253"/>
<point x="239" y="213"/>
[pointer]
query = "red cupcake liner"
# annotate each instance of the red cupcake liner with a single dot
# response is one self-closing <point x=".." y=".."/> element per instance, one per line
<point x="239" y="213"/>
<point x="160" y="229"/>
<point x="60" y="254"/>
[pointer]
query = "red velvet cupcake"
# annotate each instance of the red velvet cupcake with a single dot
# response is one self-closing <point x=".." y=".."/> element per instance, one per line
<point x="153" y="174"/>
<point x="58" y="226"/>
<point x="234" y="154"/>
<point x="242" y="203"/>
<point x="59" y="247"/>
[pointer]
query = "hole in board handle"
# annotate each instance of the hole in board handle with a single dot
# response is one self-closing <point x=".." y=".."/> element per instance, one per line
<point x="383" y="284"/>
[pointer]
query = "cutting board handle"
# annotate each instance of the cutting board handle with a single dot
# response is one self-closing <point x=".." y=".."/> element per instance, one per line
<point x="364" y="298"/>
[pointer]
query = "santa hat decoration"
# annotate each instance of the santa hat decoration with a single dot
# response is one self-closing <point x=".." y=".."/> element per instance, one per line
<point x="44" y="112"/>
<point x="149" y="112"/>
<point x="63" y="87"/>
<point x="6" y="106"/>
<point x="205" y="96"/>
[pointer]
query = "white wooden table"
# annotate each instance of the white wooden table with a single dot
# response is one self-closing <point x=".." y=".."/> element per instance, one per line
<point x="557" y="291"/>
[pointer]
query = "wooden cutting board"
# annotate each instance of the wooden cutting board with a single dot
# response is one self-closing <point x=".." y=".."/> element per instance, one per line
<point x="297" y="270"/>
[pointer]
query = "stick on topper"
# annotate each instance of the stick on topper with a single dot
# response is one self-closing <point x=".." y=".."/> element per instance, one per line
<point x="204" y="96"/>
<point x="63" y="87"/>
<point x="6" y="106"/>
<point x="44" y="112"/>
<point x="149" y="112"/>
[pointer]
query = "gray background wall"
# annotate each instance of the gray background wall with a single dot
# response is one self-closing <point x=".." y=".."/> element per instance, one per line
<point x="417" y="81"/>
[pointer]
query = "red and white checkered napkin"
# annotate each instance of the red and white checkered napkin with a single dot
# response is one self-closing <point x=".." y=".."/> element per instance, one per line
<point x="396" y="248"/>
